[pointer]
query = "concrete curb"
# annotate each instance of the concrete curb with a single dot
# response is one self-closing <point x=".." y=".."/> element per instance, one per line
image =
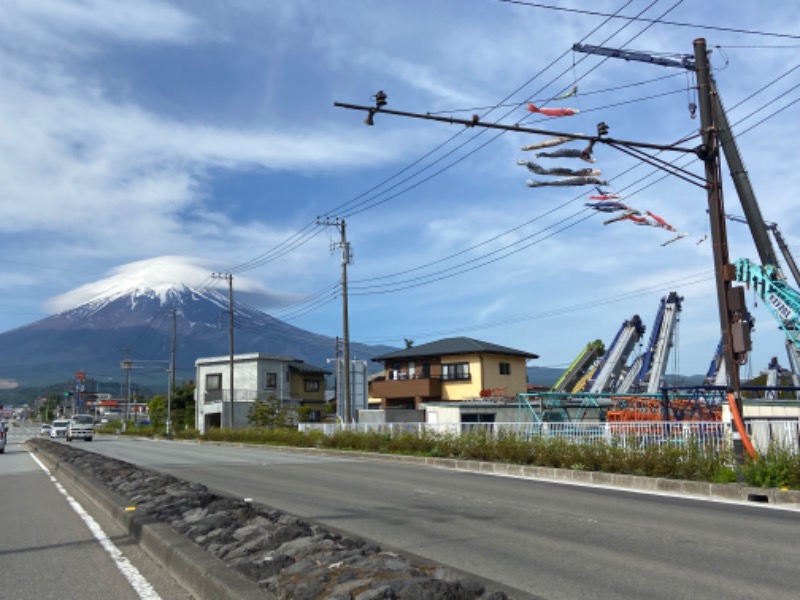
<point x="697" y="489"/>
<point x="201" y="574"/>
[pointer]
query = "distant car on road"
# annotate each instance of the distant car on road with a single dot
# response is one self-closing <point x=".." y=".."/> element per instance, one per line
<point x="59" y="428"/>
<point x="45" y="429"/>
<point x="80" y="426"/>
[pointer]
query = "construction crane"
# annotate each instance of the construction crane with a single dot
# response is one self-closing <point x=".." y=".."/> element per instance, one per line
<point x="715" y="129"/>
<point x="579" y="367"/>
<point x="784" y="248"/>
<point x="646" y="374"/>
<point x="716" y="370"/>
<point x="782" y="301"/>
<point x="617" y="355"/>
<point x="654" y="366"/>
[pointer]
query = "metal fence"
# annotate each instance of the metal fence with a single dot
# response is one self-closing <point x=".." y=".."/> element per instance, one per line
<point x="709" y="435"/>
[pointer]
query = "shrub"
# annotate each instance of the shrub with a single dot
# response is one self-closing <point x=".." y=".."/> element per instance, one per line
<point x="777" y="468"/>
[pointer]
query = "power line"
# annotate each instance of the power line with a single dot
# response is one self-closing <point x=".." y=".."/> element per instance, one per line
<point x="258" y="261"/>
<point x="506" y="114"/>
<point x="589" y="93"/>
<point x="688" y="280"/>
<point x="653" y="21"/>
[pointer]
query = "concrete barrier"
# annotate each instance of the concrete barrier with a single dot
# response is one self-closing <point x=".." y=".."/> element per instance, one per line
<point x="201" y="574"/>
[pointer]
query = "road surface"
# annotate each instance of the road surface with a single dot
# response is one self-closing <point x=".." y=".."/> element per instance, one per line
<point x="48" y="550"/>
<point x="553" y="540"/>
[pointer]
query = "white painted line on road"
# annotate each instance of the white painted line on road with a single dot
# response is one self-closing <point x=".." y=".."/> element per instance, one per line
<point x="131" y="573"/>
<point x="664" y="493"/>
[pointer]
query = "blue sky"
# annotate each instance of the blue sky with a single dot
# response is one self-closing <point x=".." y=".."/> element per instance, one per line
<point x="201" y="136"/>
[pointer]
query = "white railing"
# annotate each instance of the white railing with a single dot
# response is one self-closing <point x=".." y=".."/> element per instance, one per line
<point x="713" y="435"/>
<point x="623" y="434"/>
<point x="783" y="434"/>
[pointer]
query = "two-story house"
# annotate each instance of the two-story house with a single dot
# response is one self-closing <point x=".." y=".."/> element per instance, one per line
<point x="452" y="369"/>
<point x="255" y="377"/>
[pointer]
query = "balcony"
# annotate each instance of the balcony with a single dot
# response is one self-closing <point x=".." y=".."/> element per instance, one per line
<point x="239" y="395"/>
<point x="406" y="388"/>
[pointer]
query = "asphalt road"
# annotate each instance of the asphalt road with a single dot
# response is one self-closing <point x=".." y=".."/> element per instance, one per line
<point x="551" y="540"/>
<point x="47" y="551"/>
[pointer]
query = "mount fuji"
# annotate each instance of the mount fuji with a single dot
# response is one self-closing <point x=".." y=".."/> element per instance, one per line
<point x="130" y="314"/>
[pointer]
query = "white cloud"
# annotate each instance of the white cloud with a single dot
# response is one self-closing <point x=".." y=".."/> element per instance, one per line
<point x="141" y="129"/>
<point x="157" y="274"/>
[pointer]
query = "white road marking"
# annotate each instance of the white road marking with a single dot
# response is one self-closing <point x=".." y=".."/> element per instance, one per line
<point x="131" y="573"/>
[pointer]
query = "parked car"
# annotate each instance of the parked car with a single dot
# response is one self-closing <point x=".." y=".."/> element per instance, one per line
<point x="45" y="429"/>
<point x="59" y="428"/>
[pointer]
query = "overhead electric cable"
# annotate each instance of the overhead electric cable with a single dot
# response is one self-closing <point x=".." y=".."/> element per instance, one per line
<point x="594" y="13"/>
<point x="583" y="93"/>
<point x="499" y="134"/>
<point x="257" y="260"/>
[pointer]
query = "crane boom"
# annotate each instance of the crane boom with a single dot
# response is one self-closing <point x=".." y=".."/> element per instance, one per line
<point x="654" y="376"/>
<point x="738" y="172"/>
<point x="683" y="61"/>
<point x="579" y="366"/>
<point x="617" y="355"/>
<point x="782" y="301"/>
<point x="784" y="248"/>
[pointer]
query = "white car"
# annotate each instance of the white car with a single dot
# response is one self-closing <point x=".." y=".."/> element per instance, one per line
<point x="45" y="429"/>
<point x="59" y="428"/>
<point x="80" y="426"/>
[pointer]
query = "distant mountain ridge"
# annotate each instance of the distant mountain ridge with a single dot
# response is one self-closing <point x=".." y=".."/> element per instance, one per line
<point x="94" y="336"/>
<point x="547" y="377"/>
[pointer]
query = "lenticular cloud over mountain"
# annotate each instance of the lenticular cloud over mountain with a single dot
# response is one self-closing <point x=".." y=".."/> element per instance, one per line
<point x="157" y="277"/>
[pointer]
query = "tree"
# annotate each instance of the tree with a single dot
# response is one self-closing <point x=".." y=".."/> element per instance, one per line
<point x="183" y="408"/>
<point x="157" y="409"/>
<point x="269" y="413"/>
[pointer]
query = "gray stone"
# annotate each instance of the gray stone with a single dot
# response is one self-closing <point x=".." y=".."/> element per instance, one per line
<point x="287" y="556"/>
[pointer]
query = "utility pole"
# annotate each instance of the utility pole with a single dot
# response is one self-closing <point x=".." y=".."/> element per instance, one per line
<point x="347" y="408"/>
<point x="710" y="157"/>
<point x="171" y="382"/>
<point x="229" y="278"/>
<point x="127" y="365"/>
<point x="337" y="371"/>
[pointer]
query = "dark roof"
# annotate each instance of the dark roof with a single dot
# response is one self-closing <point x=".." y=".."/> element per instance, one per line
<point x="302" y="367"/>
<point x="451" y="346"/>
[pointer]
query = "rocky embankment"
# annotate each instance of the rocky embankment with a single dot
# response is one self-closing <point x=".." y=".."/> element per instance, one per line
<point x="286" y="556"/>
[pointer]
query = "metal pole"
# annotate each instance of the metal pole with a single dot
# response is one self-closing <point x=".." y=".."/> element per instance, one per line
<point x="348" y="406"/>
<point x="127" y="364"/>
<point x="229" y="278"/>
<point x="517" y="127"/>
<point x="171" y="381"/>
<point x="230" y="341"/>
<point x="337" y="376"/>
<point x="706" y="94"/>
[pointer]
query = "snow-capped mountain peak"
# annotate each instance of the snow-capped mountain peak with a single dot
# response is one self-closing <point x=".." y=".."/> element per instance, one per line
<point x="166" y="278"/>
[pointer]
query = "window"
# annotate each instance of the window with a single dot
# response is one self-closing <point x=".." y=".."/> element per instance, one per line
<point x="311" y="385"/>
<point x="455" y="372"/>
<point x="270" y="380"/>
<point x="214" y="381"/>
<point x="505" y="368"/>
